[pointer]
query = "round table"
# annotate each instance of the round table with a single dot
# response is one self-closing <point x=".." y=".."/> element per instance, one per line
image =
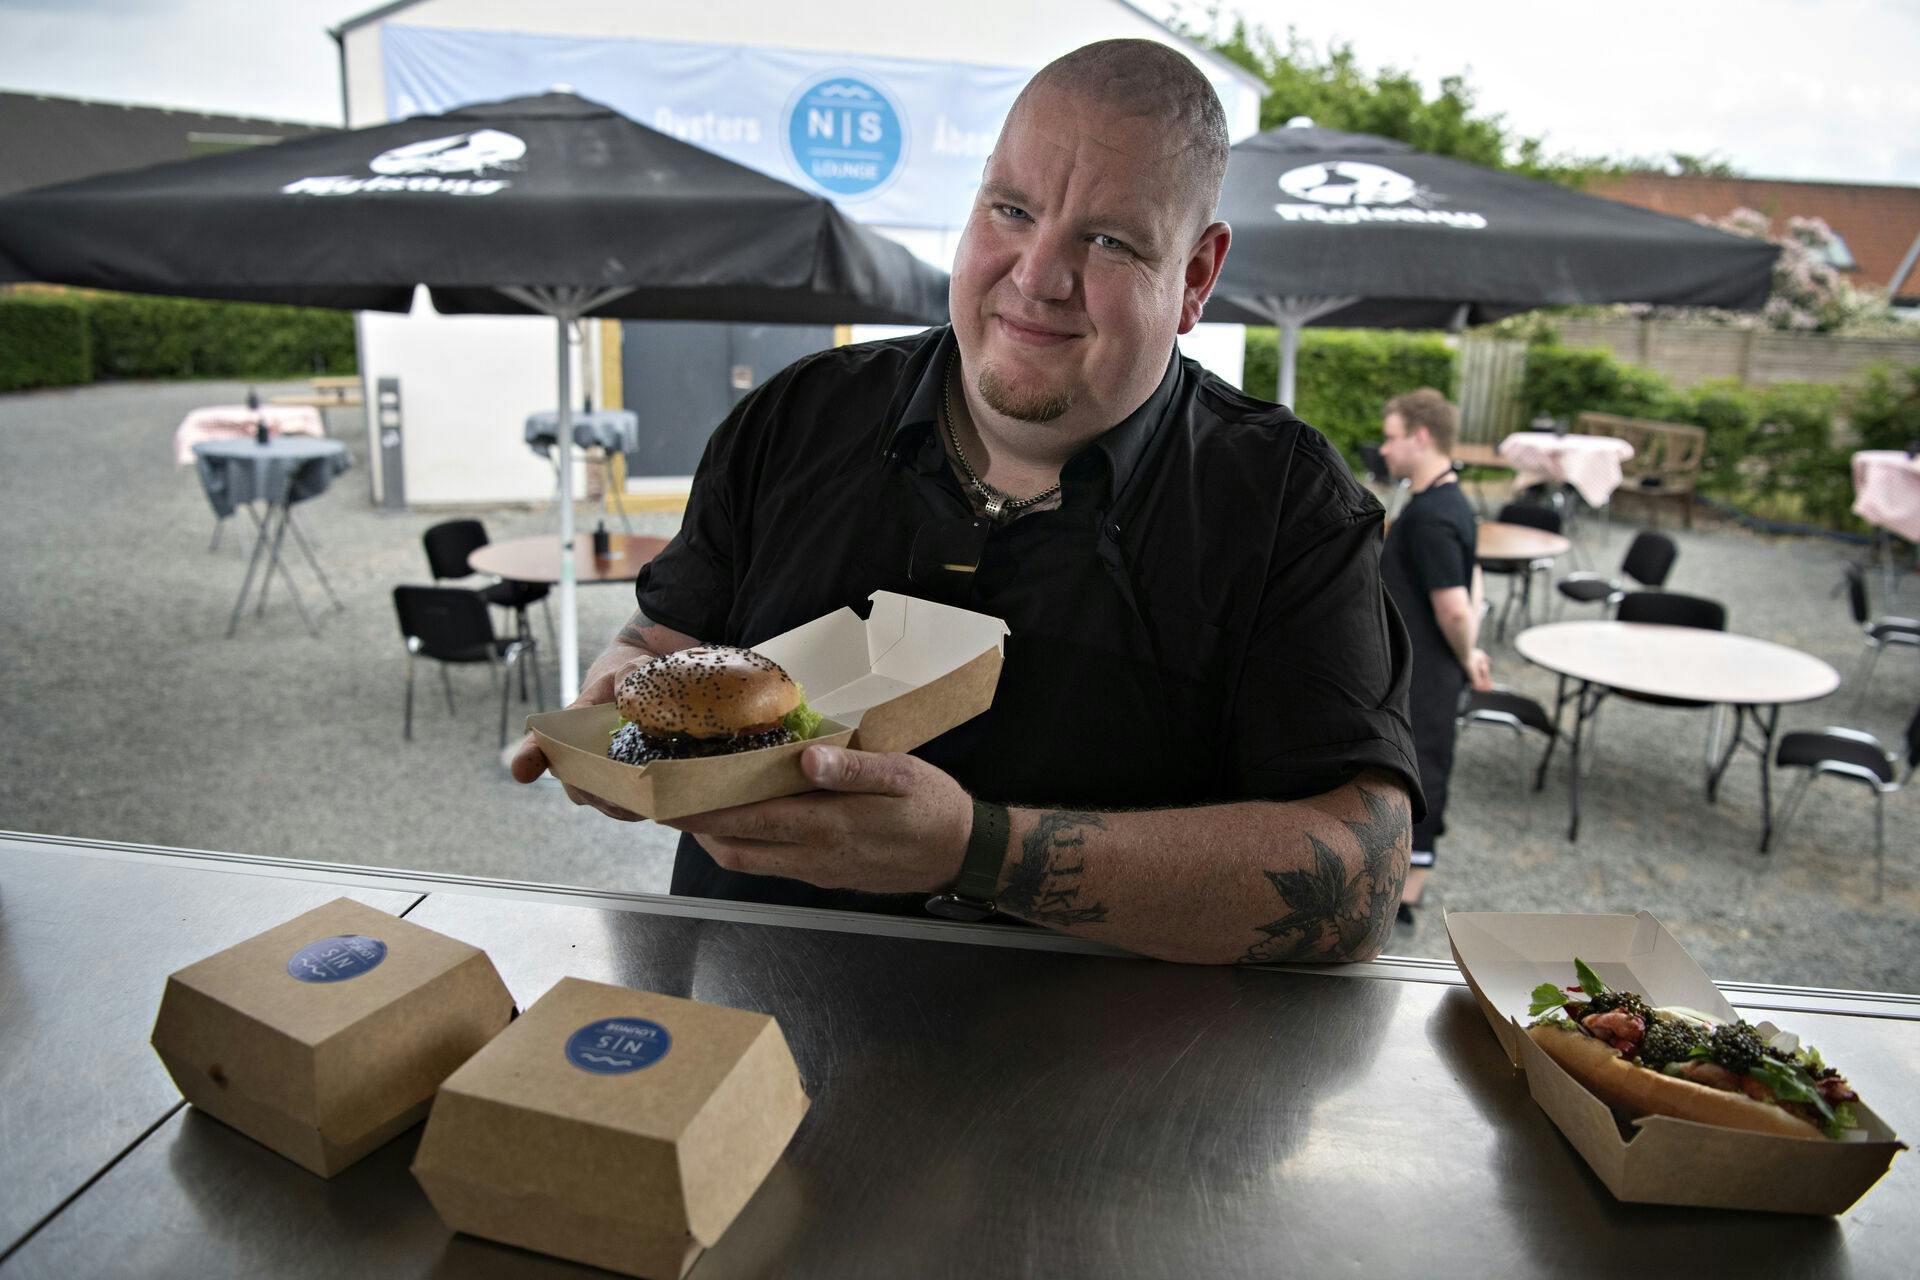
<point x="537" y="559"/>
<point x="1590" y="465"/>
<point x="285" y="470"/>
<point x="1497" y="541"/>
<point x="1755" y="677"/>
<point x="1517" y="549"/>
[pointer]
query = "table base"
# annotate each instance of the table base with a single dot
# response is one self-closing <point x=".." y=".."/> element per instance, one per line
<point x="270" y="535"/>
<point x="1587" y="699"/>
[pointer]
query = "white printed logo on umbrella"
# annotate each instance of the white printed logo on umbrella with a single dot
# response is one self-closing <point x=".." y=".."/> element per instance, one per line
<point x="1354" y="193"/>
<point x="424" y="167"/>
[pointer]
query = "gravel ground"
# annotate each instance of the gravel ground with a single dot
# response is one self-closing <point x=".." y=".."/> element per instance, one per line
<point x="126" y="714"/>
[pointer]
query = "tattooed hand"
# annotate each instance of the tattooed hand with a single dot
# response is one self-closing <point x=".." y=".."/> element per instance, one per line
<point x="1043" y="883"/>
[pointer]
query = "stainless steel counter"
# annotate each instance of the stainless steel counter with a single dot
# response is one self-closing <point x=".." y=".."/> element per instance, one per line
<point x="1026" y="1108"/>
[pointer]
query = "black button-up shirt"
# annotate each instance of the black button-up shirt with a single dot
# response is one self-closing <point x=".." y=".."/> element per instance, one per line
<point x="1201" y="619"/>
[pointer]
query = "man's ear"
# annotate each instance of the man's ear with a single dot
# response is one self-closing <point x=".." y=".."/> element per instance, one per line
<point x="1203" y="272"/>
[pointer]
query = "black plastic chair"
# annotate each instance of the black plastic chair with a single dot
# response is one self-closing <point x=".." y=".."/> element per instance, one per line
<point x="1672" y="609"/>
<point x="451" y="625"/>
<point x="1880" y="632"/>
<point x="1521" y="572"/>
<point x="1649" y="560"/>
<point x="1857" y="757"/>
<point x="1503" y="707"/>
<point x="1376" y="464"/>
<point x="451" y="542"/>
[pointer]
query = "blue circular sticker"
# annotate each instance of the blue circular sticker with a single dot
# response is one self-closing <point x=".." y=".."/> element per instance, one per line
<point x="615" y="1046"/>
<point x="845" y="135"/>
<point x="337" y="959"/>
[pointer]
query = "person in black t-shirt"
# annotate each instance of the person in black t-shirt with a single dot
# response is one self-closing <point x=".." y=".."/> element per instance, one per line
<point x="1430" y="572"/>
<point x="1199" y="747"/>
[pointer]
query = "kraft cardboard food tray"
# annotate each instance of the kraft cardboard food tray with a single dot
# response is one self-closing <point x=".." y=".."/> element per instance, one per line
<point x="1661" y="1160"/>
<point x="905" y="675"/>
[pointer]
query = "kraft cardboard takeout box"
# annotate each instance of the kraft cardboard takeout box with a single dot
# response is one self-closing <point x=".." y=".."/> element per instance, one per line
<point x="907" y="674"/>
<point x="615" y="1127"/>
<point x="326" y="1036"/>
<point x="1504" y="956"/>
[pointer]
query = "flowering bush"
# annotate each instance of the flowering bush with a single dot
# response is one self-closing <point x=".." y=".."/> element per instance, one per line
<point x="1809" y="294"/>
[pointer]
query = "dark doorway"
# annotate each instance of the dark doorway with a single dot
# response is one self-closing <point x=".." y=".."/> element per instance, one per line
<point x="682" y="378"/>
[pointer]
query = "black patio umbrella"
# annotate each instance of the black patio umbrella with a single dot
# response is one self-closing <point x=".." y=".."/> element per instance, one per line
<point x="551" y="204"/>
<point x="1345" y="229"/>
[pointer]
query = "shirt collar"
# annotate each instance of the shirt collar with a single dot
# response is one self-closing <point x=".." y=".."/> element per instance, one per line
<point x="1121" y="447"/>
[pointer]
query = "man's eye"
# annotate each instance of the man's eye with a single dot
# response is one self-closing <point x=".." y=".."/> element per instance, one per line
<point x="1010" y="211"/>
<point x="1112" y="243"/>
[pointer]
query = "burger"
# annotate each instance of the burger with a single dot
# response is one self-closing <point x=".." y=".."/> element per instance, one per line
<point x="711" y="700"/>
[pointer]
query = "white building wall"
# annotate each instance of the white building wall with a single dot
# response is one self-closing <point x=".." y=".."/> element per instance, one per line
<point x="468" y="382"/>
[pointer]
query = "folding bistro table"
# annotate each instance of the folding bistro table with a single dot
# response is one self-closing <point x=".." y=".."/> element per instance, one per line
<point x="1754" y="677"/>
<point x="279" y="473"/>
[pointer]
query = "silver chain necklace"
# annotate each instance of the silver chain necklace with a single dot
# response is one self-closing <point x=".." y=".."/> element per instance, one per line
<point x="999" y="503"/>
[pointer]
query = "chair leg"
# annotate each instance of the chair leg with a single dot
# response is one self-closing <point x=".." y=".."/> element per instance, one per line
<point x="506" y="694"/>
<point x="1871" y="656"/>
<point x="1879" y="842"/>
<point x="448" y="686"/>
<point x="407" y="732"/>
<point x="548" y="610"/>
<point x="219" y="523"/>
<point x="1793" y="805"/>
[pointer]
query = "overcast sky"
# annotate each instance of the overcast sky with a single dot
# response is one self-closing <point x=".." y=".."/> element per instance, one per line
<point x="1782" y="88"/>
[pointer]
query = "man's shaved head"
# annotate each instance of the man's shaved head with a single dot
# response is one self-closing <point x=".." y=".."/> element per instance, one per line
<point x="1149" y="79"/>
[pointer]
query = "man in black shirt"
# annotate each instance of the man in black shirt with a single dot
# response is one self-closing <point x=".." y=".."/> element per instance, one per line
<point x="1429" y="567"/>
<point x="1201" y="722"/>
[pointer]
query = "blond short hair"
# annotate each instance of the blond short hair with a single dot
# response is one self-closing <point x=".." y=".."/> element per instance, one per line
<point x="1428" y="408"/>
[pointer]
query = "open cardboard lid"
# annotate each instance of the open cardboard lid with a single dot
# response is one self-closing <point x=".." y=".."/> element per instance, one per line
<point x="1503" y="956"/>
<point x="902" y="676"/>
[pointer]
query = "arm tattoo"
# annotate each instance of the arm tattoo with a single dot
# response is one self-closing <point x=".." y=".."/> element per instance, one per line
<point x="1044" y="886"/>
<point x="634" y="632"/>
<point x="1333" y="914"/>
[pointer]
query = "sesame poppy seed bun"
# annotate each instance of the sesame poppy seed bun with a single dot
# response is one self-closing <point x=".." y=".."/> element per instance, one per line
<point x="707" y="692"/>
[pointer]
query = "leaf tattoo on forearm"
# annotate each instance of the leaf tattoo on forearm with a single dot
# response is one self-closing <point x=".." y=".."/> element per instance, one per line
<point x="1044" y="885"/>
<point x="1331" y="911"/>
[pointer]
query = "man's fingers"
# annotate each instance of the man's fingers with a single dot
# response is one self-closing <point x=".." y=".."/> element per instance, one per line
<point x="839" y="769"/>
<point x="529" y="762"/>
<point x="588" y="800"/>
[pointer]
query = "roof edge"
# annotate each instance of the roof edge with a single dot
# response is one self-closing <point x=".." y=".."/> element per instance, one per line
<point x="372" y="15"/>
<point x="172" y="111"/>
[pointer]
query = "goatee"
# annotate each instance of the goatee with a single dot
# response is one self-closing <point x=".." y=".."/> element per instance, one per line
<point x="1027" y="406"/>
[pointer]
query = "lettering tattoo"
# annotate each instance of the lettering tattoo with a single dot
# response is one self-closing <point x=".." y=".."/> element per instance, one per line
<point x="1044" y="885"/>
<point x="1330" y="913"/>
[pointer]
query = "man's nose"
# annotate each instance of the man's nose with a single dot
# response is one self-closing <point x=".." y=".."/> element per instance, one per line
<point x="1047" y="268"/>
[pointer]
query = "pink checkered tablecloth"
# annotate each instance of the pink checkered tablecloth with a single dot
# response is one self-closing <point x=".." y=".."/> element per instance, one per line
<point x="235" y="421"/>
<point x="1886" y="491"/>
<point x="1591" y="464"/>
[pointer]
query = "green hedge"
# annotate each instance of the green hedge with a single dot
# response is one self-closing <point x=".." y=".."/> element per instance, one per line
<point x="1774" y="451"/>
<point x="142" y="337"/>
<point x="1345" y="376"/>
<point x="109" y="335"/>
<point x="44" y="342"/>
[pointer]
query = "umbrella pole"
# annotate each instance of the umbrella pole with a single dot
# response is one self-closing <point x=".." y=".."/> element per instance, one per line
<point x="569" y="617"/>
<point x="1289" y="350"/>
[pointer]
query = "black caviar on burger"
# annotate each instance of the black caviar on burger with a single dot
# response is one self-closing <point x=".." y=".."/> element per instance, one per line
<point x="709" y="700"/>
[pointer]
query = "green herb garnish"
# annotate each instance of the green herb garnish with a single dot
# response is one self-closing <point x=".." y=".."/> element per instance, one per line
<point x="1589" y="980"/>
<point x="1546" y="996"/>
